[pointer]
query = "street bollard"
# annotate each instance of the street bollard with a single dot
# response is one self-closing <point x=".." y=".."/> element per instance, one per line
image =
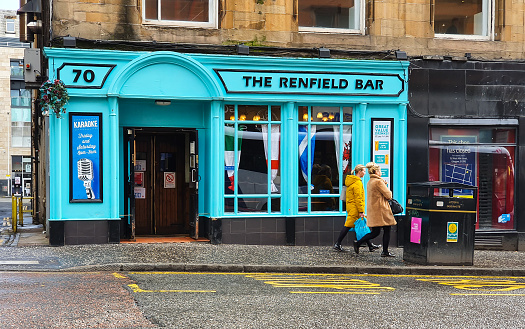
<point x="14" y="213"/>
<point x="21" y="210"/>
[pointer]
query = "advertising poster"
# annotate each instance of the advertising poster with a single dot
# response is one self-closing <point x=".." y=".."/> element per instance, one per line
<point x="85" y="157"/>
<point x="382" y="148"/>
<point x="458" y="161"/>
<point x="415" y="230"/>
<point x="452" y="231"/>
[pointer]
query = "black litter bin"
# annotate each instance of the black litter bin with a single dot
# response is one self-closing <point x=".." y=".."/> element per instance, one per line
<point x="440" y="223"/>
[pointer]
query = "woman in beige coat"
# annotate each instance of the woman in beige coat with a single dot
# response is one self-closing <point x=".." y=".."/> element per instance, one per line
<point x="379" y="214"/>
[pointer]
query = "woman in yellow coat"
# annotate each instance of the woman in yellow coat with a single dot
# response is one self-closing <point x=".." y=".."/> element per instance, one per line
<point x="355" y="204"/>
<point x="378" y="209"/>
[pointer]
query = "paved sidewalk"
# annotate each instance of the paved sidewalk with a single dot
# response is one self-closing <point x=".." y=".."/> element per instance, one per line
<point x="29" y="251"/>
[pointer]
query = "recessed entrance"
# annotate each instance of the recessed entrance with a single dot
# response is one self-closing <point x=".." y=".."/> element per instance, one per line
<point x="164" y="180"/>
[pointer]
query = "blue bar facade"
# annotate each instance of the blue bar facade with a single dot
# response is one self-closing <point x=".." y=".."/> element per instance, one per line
<point x="207" y="94"/>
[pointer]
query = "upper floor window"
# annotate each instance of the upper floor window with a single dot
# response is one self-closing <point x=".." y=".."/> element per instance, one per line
<point x="9" y="25"/>
<point x="191" y="13"/>
<point x="469" y="19"/>
<point x="331" y="16"/>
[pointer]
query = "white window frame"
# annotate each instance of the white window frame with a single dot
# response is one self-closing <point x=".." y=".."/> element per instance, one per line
<point x="9" y="22"/>
<point x="488" y="26"/>
<point x="213" y="12"/>
<point x="360" y="4"/>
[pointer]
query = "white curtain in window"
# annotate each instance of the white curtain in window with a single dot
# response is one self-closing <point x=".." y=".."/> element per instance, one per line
<point x="347" y="147"/>
<point x="275" y="143"/>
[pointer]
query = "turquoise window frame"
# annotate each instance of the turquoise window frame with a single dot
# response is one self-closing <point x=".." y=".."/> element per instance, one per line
<point x="309" y="124"/>
<point x="236" y="196"/>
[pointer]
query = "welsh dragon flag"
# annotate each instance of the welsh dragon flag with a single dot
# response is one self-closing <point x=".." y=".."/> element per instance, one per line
<point x="229" y="153"/>
<point x="275" y="144"/>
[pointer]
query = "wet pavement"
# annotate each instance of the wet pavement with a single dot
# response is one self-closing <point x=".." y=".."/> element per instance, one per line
<point x="29" y="250"/>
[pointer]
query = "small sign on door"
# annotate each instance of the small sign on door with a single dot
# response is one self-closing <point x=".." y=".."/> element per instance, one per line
<point x="169" y="179"/>
<point x="140" y="193"/>
<point x="139" y="178"/>
<point x="140" y="165"/>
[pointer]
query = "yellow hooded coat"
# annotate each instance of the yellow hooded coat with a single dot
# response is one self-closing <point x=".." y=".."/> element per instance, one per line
<point x="355" y="199"/>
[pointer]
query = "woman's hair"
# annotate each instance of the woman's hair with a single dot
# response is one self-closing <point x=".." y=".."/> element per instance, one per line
<point x="326" y="170"/>
<point x="372" y="167"/>
<point x="357" y="169"/>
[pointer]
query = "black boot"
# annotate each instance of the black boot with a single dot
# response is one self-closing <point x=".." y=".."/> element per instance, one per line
<point x="373" y="247"/>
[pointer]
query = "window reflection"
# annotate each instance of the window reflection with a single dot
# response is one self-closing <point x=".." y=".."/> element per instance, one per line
<point x="467" y="17"/>
<point x="340" y="14"/>
<point x="178" y="10"/>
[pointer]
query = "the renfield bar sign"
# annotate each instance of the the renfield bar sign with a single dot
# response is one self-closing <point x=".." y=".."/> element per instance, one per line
<point x="320" y="83"/>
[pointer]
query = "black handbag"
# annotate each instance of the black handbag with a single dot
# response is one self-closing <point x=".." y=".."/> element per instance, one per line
<point x="395" y="206"/>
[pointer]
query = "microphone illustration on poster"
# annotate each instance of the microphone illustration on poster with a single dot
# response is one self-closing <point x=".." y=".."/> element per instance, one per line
<point x="85" y="174"/>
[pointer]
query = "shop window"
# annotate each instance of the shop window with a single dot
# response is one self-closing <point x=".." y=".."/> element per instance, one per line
<point x="462" y="19"/>
<point x="482" y="157"/>
<point x="196" y="13"/>
<point x="330" y="16"/>
<point x="252" y="153"/>
<point x="323" y="158"/>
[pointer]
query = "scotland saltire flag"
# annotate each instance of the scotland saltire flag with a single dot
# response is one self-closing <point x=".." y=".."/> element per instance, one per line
<point x="303" y="150"/>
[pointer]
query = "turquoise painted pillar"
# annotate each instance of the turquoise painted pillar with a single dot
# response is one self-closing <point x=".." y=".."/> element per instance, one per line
<point x="216" y="170"/>
<point x="362" y="143"/>
<point x="290" y="181"/>
<point x="402" y="145"/>
<point x="114" y="190"/>
<point x="55" y="166"/>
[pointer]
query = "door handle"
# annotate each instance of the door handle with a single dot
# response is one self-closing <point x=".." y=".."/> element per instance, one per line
<point x="194" y="176"/>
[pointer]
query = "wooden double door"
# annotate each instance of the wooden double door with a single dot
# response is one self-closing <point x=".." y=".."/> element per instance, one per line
<point x="163" y="184"/>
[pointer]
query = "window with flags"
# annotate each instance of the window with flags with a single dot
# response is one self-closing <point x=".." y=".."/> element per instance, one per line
<point x="325" y="155"/>
<point x="252" y="153"/>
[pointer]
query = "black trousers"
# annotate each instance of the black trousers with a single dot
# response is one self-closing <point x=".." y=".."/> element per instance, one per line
<point x="343" y="233"/>
<point x="374" y="232"/>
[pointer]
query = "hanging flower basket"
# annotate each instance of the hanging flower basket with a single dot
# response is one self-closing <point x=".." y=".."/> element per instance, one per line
<point x="53" y="97"/>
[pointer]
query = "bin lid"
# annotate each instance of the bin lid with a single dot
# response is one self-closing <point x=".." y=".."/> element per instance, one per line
<point x="439" y="184"/>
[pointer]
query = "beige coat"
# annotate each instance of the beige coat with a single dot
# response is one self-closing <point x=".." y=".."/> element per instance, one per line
<point x="377" y="207"/>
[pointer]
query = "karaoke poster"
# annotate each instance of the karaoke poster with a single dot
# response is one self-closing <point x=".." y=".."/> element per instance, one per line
<point x="86" y="158"/>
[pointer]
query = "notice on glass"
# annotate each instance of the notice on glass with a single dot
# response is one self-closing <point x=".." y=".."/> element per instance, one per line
<point x="382" y="147"/>
<point x="458" y="161"/>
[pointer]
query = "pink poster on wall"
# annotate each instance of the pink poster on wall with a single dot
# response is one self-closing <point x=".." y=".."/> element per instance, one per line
<point x="415" y="230"/>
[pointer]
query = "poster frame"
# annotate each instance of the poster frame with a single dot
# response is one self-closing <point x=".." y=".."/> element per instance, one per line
<point x="99" y="199"/>
<point x="392" y="149"/>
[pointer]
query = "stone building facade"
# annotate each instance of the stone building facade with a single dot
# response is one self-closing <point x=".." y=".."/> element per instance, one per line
<point x="465" y="68"/>
<point x="11" y="82"/>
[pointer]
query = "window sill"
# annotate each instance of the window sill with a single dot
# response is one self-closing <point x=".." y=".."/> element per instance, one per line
<point x="462" y="37"/>
<point x="323" y="30"/>
<point x="193" y="25"/>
